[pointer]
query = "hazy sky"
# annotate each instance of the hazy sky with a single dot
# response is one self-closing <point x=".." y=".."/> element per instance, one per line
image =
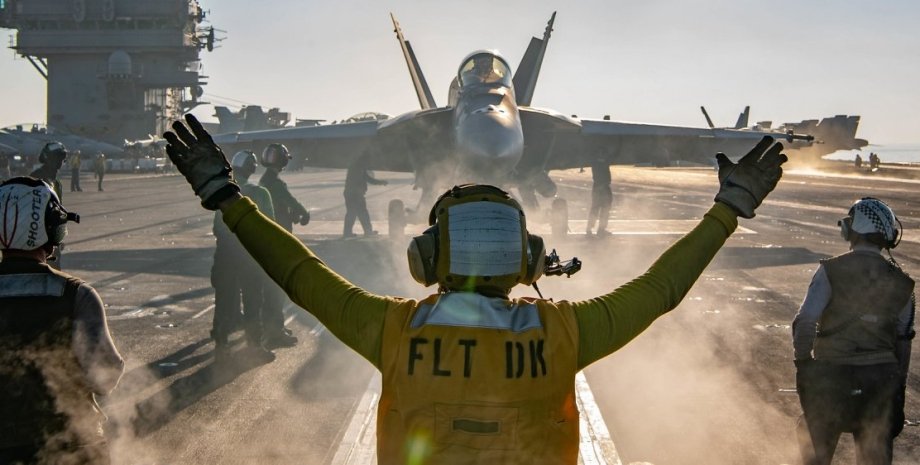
<point x="652" y="61"/>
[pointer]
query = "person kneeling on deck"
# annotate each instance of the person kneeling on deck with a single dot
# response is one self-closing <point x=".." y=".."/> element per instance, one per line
<point x="470" y="375"/>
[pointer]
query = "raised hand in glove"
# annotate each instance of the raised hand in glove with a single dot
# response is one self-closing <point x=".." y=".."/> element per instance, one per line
<point x="745" y="184"/>
<point x="201" y="161"/>
<point x="304" y="218"/>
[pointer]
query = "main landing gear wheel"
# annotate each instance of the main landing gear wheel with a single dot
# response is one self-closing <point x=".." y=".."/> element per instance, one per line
<point x="396" y="218"/>
<point x="559" y="218"/>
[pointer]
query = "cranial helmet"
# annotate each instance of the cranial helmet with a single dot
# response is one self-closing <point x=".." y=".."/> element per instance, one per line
<point x="872" y="218"/>
<point x="52" y="149"/>
<point x="275" y="156"/>
<point x="245" y="162"/>
<point x="477" y="241"/>
<point x="32" y="215"/>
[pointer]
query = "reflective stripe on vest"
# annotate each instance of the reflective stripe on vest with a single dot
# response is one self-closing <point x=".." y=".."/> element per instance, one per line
<point x="32" y="285"/>
<point x="476" y="311"/>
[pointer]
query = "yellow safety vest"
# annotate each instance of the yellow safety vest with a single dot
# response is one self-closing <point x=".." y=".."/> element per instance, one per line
<point x="469" y="379"/>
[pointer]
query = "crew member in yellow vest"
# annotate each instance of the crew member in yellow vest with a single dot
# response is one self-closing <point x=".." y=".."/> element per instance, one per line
<point x="852" y="340"/>
<point x="470" y="375"/>
<point x="74" y="161"/>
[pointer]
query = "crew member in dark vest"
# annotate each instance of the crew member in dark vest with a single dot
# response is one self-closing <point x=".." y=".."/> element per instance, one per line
<point x="56" y="353"/>
<point x="601" y="197"/>
<point x="471" y="375"/>
<point x="852" y="339"/>
<point x="52" y="158"/>
<point x="288" y="211"/>
<point x="356" y="180"/>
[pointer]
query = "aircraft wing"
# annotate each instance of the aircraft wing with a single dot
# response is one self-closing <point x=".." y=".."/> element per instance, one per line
<point x="397" y="144"/>
<point x="7" y="150"/>
<point x="555" y="141"/>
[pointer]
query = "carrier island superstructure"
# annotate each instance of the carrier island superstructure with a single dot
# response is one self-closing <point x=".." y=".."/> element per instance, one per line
<point x="116" y="70"/>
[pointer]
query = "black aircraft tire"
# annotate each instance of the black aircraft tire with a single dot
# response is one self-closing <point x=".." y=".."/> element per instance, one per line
<point x="396" y="218"/>
<point x="559" y="218"/>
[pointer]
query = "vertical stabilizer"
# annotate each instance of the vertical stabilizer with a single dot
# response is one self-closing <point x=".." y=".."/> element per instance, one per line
<point x="229" y="121"/>
<point x="525" y="77"/>
<point x="708" y="119"/>
<point x="425" y="99"/>
<point x="743" y="118"/>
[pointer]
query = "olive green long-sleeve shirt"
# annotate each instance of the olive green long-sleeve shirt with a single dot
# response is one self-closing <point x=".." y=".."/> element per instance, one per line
<point x="356" y="316"/>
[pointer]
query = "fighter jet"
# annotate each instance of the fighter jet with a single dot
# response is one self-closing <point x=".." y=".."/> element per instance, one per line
<point x="830" y="135"/>
<point x="30" y="142"/>
<point x="489" y="132"/>
<point x="6" y="150"/>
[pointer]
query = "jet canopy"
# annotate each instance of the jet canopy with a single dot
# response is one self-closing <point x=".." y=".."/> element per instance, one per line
<point x="484" y="67"/>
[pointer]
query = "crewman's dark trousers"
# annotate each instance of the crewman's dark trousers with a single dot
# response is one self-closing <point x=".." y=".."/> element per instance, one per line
<point x="356" y="208"/>
<point x="600" y="210"/>
<point x="847" y="398"/>
<point x="75" y="180"/>
<point x="232" y="276"/>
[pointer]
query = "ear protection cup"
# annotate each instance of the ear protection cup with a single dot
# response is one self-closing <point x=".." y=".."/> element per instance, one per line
<point x="846" y="225"/>
<point x="536" y="259"/>
<point x="422" y="254"/>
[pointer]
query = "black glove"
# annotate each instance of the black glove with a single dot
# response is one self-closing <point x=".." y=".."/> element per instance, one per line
<point x="744" y="185"/>
<point x="304" y="218"/>
<point x="201" y="161"/>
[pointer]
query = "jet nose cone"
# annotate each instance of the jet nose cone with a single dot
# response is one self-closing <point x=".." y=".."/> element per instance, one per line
<point x="490" y="143"/>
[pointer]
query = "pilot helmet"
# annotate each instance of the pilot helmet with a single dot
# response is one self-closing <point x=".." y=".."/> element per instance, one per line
<point x="50" y="149"/>
<point x="275" y="156"/>
<point x="32" y="214"/>
<point x="477" y="242"/>
<point x="872" y="219"/>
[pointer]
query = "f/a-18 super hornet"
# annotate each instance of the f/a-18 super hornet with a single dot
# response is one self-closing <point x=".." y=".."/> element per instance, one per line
<point x="29" y="142"/>
<point x="489" y="132"/>
<point x="830" y="134"/>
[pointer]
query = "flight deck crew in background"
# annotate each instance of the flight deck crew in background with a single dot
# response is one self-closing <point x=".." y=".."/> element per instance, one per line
<point x="601" y="197"/>
<point x="470" y="375"/>
<point x="356" y="180"/>
<point x="74" y="163"/>
<point x="288" y="210"/>
<point x="56" y="352"/>
<point x="99" y="169"/>
<point x="852" y="339"/>
<point x="52" y="158"/>
<point x="234" y="271"/>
